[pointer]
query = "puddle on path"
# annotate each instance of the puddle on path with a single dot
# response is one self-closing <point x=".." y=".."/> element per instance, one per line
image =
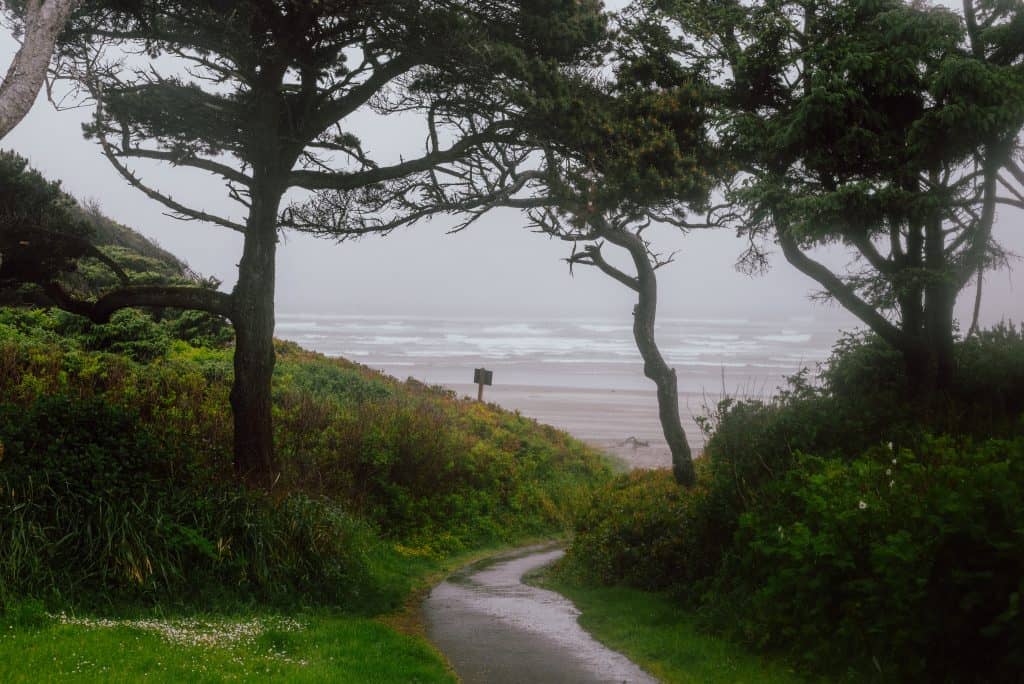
<point x="497" y="630"/>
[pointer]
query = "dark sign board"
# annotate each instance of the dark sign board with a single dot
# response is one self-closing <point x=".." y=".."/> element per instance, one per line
<point x="482" y="376"/>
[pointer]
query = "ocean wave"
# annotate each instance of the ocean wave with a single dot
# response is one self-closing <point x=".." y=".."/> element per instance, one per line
<point x="797" y="337"/>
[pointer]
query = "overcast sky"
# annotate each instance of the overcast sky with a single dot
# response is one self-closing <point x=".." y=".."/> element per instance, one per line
<point x="498" y="269"/>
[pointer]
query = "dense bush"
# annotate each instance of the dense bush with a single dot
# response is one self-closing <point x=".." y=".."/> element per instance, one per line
<point x="138" y="454"/>
<point x="434" y="471"/>
<point x="991" y="380"/>
<point x="911" y="562"/>
<point x="914" y="569"/>
<point x="638" y="528"/>
<point x="93" y="509"/>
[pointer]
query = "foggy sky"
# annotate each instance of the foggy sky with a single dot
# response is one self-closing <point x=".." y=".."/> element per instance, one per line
<point x="497" y="269"/>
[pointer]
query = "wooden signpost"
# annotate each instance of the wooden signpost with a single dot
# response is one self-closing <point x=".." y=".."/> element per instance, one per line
<point x="482" y="376"/>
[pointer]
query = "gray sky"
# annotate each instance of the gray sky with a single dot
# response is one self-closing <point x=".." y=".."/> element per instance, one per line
<point x="496" y="269"/>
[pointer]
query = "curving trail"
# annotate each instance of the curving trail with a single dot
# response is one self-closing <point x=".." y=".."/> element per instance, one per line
<point x="495" y="629"/>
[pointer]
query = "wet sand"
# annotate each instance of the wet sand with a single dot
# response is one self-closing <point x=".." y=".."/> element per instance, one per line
<point x="603" y="418"/>
<point x="497" y="630"/>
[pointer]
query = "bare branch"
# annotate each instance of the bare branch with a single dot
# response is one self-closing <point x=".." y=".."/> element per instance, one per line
<point x="838" y="289"/>
<point x="316" y="180"/>
<point x="228" y="173"/>
<point x="592" y="256"/>
<point x="182" y="212"/>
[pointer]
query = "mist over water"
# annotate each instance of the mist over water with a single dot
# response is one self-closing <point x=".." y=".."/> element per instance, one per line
<point x="750" y="356"/>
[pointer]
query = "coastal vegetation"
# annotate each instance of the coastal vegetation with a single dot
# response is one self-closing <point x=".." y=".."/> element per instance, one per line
<point x="116" y="484"/>
<point x="172" y="474"/>
<point x="118" y="499"/>
<point x="832" y="510"/>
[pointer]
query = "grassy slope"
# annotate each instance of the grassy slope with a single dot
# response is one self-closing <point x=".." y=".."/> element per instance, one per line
<point x="182" y="394"/>
<point x="660" y="637"/>
<point x="437" y="481"/>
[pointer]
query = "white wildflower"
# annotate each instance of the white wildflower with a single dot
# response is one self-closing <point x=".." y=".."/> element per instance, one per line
<point x="862" y="505"/>
<point x="888" y="471"/>
<point x="892" y="483"/>
<point x="193" y="632"/>
<point x="889" y="445"/>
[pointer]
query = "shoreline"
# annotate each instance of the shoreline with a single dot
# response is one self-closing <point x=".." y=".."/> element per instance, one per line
<point x="606" y="419"/>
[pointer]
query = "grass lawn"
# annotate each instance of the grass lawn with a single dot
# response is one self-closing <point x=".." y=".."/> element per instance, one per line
<point x="654" y="633"/>
<point x="300" y="648"/>
<point x="306" y="646"/>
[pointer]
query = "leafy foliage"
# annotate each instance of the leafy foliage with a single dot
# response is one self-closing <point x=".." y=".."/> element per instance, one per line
<point x="39" y="235"/>
<point x="116" y="477"/>
<point x="637" y="529"/>
<point x="886" y="129"/>
<point x="47" y="238"/>
<point x="912" y="561"/>
<point x="93" y="508"/>
<point x="905" y="548"/>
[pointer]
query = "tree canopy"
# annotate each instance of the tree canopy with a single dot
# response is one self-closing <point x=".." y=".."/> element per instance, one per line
<point x="890" y="129"/>
<point x="599" y="158"/>
<point x="260" y="95"/>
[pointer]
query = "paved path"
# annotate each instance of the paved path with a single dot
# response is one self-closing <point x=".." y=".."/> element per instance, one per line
<point x="496" y="630"/>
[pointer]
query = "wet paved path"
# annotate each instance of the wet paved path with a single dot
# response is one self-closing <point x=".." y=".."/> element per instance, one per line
<point x="496" y="630"/>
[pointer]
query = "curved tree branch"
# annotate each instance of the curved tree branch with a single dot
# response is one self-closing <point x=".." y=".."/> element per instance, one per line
<point x="318" y="180"/>
<point x="843" y="293"/>
<point x="193" y="161"/>
<point x="181" y="211"/>
<point x="591" y="256"/>
<point x="177" y="297"/>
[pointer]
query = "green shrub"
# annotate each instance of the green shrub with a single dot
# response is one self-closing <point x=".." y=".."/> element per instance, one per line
<point x="88" y="446"/>
<point x="92" y="509"/>
<point x="924" y="582"/>
<point x="139" y="454"/>
<point x="636" y="531"/>
<point x="990" y="387"/>
<point x="911" y="563"/>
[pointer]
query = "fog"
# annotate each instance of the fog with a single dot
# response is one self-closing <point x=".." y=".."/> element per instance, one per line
<point x="496" y="269"/>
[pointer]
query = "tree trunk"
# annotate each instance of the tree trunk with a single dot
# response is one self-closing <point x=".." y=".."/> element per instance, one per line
<point x="44" y="20"/>
<point x="254" y="339"/>
<point x="939" y="300"/>
<point x="655" y="367"/>
<point x="929" y="357"/>
<point x="919" y="364"/>
<point x="939" y="334"/>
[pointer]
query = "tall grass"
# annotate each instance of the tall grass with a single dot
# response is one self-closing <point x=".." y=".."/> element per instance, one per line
<point x="116" y="477"/>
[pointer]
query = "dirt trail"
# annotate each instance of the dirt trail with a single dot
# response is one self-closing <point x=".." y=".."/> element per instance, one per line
<point x="496" y="630"/>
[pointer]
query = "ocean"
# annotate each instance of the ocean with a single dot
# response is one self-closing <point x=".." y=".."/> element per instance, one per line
<point x="580" y="374"/>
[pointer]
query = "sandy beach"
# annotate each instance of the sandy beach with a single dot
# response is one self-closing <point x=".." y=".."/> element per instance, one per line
<point x="606" y="419"/>
<point x="580" y="375"/>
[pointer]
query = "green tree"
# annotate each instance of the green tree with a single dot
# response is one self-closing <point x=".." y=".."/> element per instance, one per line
<point x="41" y="238"/>
<point x="597" y="160"/>
<point x="887" y="128"/>
<point x="261" y="95"/>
